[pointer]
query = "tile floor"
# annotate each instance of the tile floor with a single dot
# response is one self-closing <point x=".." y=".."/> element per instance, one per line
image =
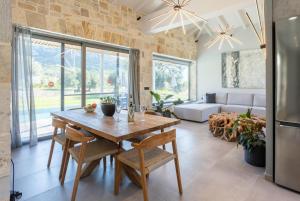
<point x="212" y="170"/>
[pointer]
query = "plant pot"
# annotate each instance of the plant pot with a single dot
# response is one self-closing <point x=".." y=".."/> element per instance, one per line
<point x="108" y="109"/>
<point x="257" y="157"/>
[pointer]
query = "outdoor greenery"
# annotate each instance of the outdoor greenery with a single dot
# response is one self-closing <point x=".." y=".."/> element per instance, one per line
<point x="250" y="132"/>
<point x="171" y="78"/>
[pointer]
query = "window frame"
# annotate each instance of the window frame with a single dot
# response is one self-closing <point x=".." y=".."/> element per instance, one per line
<point x="174" y="60"/>
<point x="83" y="44"/>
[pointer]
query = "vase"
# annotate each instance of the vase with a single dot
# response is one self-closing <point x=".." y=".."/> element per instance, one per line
<point x="108" y="109"/>
<point x="257" y="157"/>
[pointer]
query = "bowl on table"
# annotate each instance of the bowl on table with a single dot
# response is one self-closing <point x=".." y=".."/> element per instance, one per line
<point x="90" y="108"/>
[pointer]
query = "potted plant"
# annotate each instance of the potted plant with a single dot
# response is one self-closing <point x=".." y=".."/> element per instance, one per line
<point x="160" y="105"/>
<point x="252" y="137"/>
<point x="108" y="105"/>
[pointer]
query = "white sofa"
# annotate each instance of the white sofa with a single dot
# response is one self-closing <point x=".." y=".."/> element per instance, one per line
<point x="225" y="102"/>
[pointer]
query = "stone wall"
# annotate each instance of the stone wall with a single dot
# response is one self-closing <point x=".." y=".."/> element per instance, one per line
<point x="5" y="70"/>
<point x="104" y="21"/>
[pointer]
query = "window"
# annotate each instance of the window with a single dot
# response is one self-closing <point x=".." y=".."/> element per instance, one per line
<point x="171" y="76"/>
<point x="68" y="74"/>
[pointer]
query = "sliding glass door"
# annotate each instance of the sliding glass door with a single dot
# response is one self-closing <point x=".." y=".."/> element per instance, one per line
<point x="69" y="75"/>
<point x="106" y="75"/>
<point x="72" y="74"/>
<point x="46" y="78"/>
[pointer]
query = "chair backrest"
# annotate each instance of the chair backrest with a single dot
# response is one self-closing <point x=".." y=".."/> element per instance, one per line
<point x="77" y="136"/>
<point x="157" y="140"/>
<point x="58" y="123"/>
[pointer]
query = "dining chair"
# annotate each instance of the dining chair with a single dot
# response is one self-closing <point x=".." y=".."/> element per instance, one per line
<point x="89" y="151"/>
<point x="146" y="157"/>
<point x="104" y="159"/>
<point x="59" y="138"/>
<point x="143" y="137"/>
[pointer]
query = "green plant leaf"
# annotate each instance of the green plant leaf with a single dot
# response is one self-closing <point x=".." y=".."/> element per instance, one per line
<point x="156" y="96"/>
<point x="168" y="97"/>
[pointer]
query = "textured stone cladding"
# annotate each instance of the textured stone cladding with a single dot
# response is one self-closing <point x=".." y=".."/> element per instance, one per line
<point x="105" y="21"/>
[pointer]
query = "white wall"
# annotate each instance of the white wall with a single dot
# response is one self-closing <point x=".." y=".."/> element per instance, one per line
<point x="209" y="69"/>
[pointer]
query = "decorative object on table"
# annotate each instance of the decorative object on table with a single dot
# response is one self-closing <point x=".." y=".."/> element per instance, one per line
<point x="252" y="138"/>
<point x="178" y="9"/>
<point x="160" y="105"/>
<point x="90" y="108"/>
<point x="108" y="105"/>
<point x="244" y="69"/>
<point x="131" y="108"/>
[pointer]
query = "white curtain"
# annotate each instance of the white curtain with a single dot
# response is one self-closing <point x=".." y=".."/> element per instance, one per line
<point x="23" y="110"/>
<point x="134" y="78"/>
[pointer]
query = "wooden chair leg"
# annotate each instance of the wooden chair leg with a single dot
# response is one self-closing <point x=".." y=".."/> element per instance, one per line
<point x="76" y="182"/>
<point x="51" y="153"/>
<point x="178" y="175"/>
<point x="144" y="184"/>
<point x="118" y="176"/>
<point x="174" y="145"/>
<point x="65" y="167"/>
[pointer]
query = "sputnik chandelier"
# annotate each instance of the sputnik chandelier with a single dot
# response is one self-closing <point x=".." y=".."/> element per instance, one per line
<point x="222" y="36"/>
<point x="177" y="10"/>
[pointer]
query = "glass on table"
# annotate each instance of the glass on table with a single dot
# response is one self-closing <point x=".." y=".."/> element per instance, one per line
<point x="143" y="109"/>
<point x="118" y="110"/>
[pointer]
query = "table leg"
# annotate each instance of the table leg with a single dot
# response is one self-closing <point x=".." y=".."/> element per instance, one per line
<point x="132" y="175"/>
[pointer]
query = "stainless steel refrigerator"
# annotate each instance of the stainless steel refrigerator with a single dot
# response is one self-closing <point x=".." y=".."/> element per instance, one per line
<point x="287" y="107"/>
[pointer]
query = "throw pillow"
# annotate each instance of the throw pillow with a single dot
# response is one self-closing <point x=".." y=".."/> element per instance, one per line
<point x="210" y="97"/>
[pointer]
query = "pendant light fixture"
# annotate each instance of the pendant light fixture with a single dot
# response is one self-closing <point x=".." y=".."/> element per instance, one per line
<point x="260" y="32"/>
<point x="223" y="35"/>
<point x="177" y="9"/>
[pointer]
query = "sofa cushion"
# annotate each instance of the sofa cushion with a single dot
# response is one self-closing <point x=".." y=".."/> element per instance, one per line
<point x="221" y="98"/>
<point x="210" y="97"/>
<point x="259" y="100"/>
<point x="196" y="112"/>
<point x="240" y="109"/>
<point x="259" y="111"/>
<point x="239" y="99"/>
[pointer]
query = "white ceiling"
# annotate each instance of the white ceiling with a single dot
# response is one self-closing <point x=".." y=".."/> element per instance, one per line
<point x="233" y="11"/>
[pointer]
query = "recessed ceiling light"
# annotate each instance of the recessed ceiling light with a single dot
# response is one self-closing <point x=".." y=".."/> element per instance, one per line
<point x="293" y="18"/>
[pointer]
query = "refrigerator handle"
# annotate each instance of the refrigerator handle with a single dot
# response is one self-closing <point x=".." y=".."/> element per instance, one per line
<point x="287" y="125"/>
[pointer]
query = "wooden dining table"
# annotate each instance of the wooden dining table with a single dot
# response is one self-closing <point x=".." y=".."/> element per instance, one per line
<point x="113" y="130"/>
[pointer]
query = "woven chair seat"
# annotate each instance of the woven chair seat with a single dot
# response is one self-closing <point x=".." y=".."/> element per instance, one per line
<point x="95" y="150"/>
<point x="154" y="158"/>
